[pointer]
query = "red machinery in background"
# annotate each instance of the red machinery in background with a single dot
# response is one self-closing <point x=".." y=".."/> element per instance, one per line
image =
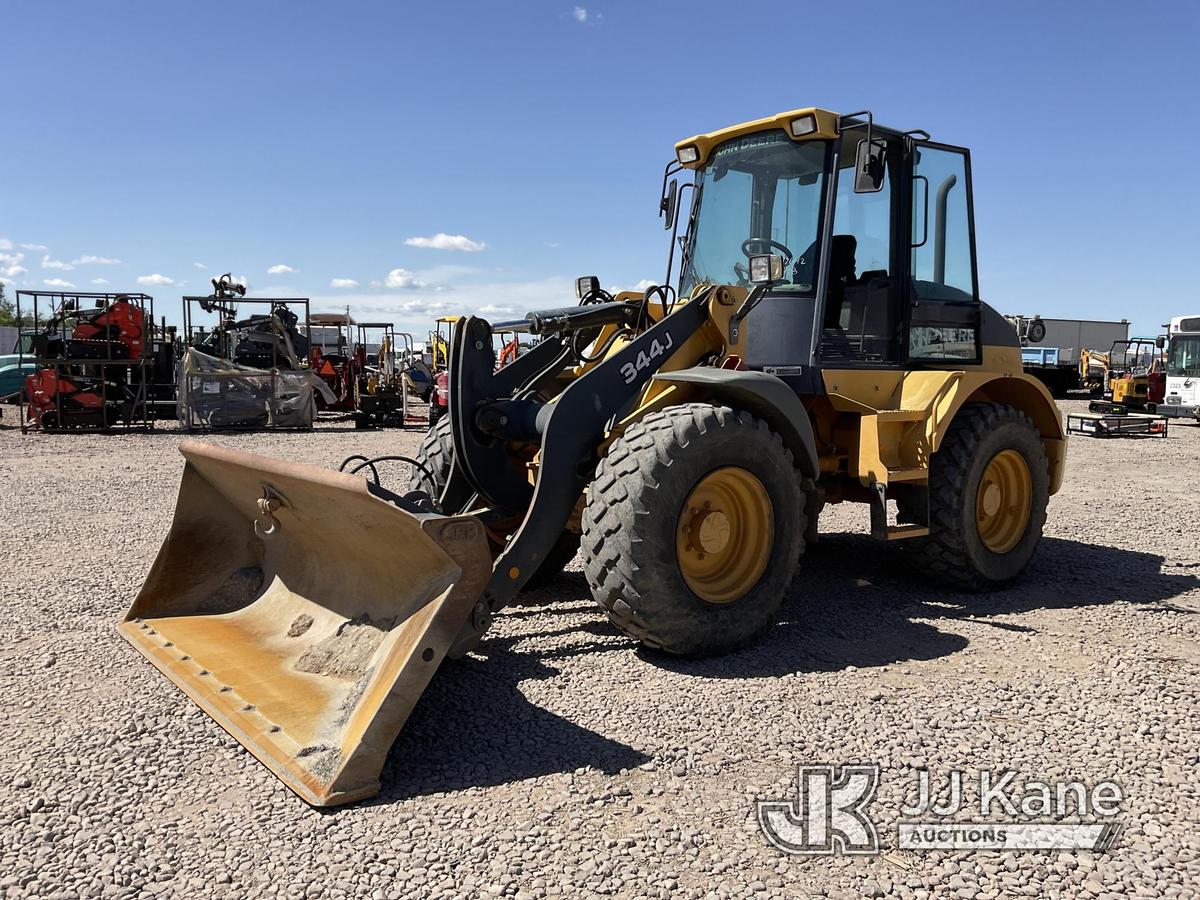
<point x="91" y="364"/>
<point x="57" y="401"/>
<point x="115" y="332"/>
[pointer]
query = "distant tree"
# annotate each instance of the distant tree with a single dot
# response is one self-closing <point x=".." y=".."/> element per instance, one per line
<point x="8" y="310"/>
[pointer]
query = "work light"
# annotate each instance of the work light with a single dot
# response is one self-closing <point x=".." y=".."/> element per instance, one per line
<point x="588" y="284"/>
<point x="688" y="154"/>
<point x="766" y="269"/>
<point x="803" y="125"/>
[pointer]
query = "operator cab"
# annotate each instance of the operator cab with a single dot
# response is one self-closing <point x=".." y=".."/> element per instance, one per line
<point x="876" y="233"/>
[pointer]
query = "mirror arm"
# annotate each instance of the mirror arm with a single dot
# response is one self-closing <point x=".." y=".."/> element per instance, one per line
<point x="752" y="299"/>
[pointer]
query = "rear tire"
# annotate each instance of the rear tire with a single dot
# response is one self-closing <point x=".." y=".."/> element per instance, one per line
<point x="639" y="520"/>
<point x="983" y="444"/>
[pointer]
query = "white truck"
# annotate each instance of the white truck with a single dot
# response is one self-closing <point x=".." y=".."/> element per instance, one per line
<point x="1182" y="399"/>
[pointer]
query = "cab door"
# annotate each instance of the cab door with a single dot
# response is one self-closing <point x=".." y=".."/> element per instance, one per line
<point x="943" y="307"/>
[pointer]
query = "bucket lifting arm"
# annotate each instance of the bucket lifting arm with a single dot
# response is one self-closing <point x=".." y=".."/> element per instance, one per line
<point x="571" y="428"/>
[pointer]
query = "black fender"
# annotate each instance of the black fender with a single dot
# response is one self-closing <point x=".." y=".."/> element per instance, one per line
<point x="762" y="395"/>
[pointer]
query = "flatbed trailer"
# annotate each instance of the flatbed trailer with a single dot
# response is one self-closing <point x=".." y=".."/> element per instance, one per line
<point x="1112" y="424"/>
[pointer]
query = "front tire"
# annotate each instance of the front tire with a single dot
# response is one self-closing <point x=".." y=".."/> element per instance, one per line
<point x="693" y="529"/>
<point x="436" y="454"/>
<point x="989" y="484"/>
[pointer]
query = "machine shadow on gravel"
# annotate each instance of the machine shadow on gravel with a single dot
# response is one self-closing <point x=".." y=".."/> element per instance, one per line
<point x="473" y="727"/>
<point x="854" y="606"/>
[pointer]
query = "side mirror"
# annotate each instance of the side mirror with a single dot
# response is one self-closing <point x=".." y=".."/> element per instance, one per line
<point x="869" y="167"/>
<point x="1160" y="341"/>
<point x="668" y="206"/>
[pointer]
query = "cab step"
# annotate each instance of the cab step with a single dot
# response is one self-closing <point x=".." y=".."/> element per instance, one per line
<point x="900" y="532"/>
<point x="880" y="529"/>
<point x="901" y="415"/>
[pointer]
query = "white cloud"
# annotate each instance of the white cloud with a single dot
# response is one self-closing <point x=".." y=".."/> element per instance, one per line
<point x="424" y="307"/>
<point x="580" y="15"/>
<point x="99" y="281"/>
<point x="280" y="269"/>
<point x="200" y="265"/>
<point x="5" y="244"/>
<point x="155" y="279"/>
<point x="38" y="247"/>
<point x="343" y="283"/>
<point x="58" y="283"/>
<point x="11" y="259"/>
<point x="95" y="261"/>
<point x="48" y="263"/>
<point x="413" y="310"/>
<point x="404" y="279"/>
<point x="442" y="241"/>
<point x="13" y="271"/>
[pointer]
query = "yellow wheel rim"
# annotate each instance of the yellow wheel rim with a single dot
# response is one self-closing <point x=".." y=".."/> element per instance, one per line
<point x="1003" y="501"/>
<point x="725" y="535"/>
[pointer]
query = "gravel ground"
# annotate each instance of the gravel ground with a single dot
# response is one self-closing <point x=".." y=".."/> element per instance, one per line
<point x="561" y="760"/>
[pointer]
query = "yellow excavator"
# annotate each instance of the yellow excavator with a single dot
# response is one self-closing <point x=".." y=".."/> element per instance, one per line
<point x="1132" y="375"/>
<point x="820" y="339"/>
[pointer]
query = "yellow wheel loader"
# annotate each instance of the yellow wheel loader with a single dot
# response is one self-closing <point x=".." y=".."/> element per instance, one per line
<point x="819" y="340"/>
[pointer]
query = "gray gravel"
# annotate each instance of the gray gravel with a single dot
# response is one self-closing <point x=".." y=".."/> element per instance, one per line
<point x="560" y="760"/>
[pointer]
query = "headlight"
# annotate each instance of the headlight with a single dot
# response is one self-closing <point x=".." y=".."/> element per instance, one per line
<point x="688" y="154"/>
<point x="803" y="125"/>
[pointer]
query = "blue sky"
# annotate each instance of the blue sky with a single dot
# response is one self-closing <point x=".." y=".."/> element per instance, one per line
<point x="185" y="140"/>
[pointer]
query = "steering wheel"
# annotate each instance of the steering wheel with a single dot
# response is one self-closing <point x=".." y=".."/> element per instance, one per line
<point x="748" y="243"/>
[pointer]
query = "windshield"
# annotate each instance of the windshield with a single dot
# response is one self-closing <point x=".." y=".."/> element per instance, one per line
<point x="1183" y="359"/>
<point x="758" y="188"/>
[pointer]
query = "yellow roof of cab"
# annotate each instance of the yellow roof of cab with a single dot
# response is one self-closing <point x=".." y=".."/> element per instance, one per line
<point x="826" y="128"/>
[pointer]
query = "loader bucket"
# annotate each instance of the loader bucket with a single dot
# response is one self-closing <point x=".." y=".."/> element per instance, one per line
<point x="308" y="624"/>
